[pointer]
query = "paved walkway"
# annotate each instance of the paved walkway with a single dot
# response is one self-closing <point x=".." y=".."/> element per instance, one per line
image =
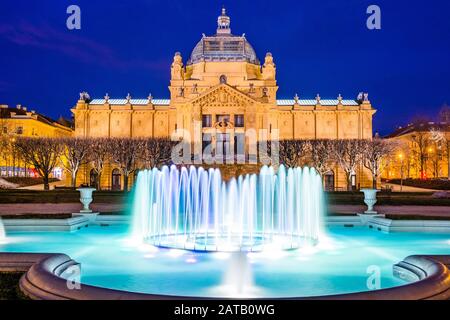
<point x="433" y="211"/>
<point x="64" y="208"/>
<point x="54" y="208"/>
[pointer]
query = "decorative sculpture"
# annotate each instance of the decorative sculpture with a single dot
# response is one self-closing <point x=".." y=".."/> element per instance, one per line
<point x="269" y="69"/>
<point x="85" y="96"/>
<point x="360" y="96"/>
<point x="252" y="88"/>
<point x="177" y="72"/>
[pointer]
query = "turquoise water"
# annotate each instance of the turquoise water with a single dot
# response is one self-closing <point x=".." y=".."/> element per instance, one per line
<point x="338" y="265"/>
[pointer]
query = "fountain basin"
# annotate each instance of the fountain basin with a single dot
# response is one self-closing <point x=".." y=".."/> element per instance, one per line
<point x="336" y="266"/>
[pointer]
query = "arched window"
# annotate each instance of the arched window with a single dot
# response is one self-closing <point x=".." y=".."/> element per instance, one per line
<point x="93" y="179"/>
<point x="328" y="181"/>
<point x="223" y="79"/>
<point x="116" y="180"/>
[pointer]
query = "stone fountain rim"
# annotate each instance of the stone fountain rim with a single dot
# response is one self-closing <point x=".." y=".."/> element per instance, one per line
<point x="42" y="281"/>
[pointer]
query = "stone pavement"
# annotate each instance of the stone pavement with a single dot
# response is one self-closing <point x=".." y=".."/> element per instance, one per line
<point x="55" y="208"/>
<point x="438" y="211"/>
<point x="64" y="208"/>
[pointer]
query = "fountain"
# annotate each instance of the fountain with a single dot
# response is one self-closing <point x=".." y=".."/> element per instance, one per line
<point x="238" y="277"/>
<point x="2" y="232"/>
<point x="194" y="209"/>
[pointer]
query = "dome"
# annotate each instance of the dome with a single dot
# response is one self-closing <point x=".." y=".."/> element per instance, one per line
<point x="223" y="46"/>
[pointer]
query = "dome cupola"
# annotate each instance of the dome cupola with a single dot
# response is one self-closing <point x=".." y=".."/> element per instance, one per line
<point x="223" y="46"/>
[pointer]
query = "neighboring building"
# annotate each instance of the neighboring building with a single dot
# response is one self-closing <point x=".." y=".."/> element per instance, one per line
<point x="18" y="121"/>
<point x="223" y="95"/>
<point x="423" y="152"/>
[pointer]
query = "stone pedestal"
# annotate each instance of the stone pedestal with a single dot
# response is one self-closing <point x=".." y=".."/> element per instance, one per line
<point x="366" y="217"/>
<point x="91" y="216"/>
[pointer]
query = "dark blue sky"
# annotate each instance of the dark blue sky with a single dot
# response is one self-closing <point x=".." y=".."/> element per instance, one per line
<point x="319" y="47"/>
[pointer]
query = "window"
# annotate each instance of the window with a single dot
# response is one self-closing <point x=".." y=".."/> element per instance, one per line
<point x="353" y="181"/>
<point x="207" y="120"/>
<point x="239" y="120"/>
<point x="5" y="130"/>
<point x="225" y="118"/>
<point x="19" y="130"/>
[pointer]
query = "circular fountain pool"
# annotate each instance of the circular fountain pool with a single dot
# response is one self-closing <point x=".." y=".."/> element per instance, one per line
<point x="343" y="262"/>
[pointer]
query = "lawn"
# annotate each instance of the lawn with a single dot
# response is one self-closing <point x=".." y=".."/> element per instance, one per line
<point x="9" y="286"/>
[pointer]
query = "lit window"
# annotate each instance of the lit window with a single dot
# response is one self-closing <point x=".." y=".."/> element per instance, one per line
<point x="206" y="120"/>
<point x="239" y="120"/>
<point x="224" y="118"/>
<point x="5" y="130"/>
<point x="19" y="130"/>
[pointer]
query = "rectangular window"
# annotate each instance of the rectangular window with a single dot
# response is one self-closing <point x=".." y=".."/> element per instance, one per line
<point x="5" y="130"/>
<point x="207" y="120"/>
<point x="239" y="120"/>
<point x="225" y="118"/>
<point x="19" y="130"/>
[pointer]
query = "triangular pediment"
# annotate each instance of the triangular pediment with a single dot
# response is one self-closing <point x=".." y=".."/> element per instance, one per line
<point x="223" y="95"/>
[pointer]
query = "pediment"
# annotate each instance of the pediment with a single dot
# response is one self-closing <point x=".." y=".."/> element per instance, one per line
<point x="223" y="95"/>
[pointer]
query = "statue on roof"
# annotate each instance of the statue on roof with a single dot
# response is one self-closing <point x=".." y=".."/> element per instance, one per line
<point x="85" y="96"/>
<point x="360" y="97"/>
<point x="268" y="69"/>
<point x="177" y="72"/>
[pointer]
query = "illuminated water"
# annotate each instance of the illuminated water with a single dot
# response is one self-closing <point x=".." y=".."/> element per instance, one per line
<point x="191" y="208"/>
<point x="2" y="232"/>
<point x="337" y="264"/>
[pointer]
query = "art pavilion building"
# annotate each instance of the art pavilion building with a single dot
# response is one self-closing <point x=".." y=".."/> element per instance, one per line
<point x="224" y="92"/>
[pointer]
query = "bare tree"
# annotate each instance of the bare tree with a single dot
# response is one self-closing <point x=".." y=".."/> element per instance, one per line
<point x="42" y="153"/>
<point x="75" y="155"/>
<point x="376" y="154"/>
<point x="441" y="148"/>
<point x="321" y="155"/>
<point x="292" y="152"/>
<point x="98" y="156"/>
<point x="348" y="154"/>
<point x="420" y="142"/>
<point x="156" y="152"/>
<point x="125" y="152"/>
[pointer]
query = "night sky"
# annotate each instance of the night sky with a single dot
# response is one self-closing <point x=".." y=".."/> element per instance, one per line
<point x="318" y="46"/>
